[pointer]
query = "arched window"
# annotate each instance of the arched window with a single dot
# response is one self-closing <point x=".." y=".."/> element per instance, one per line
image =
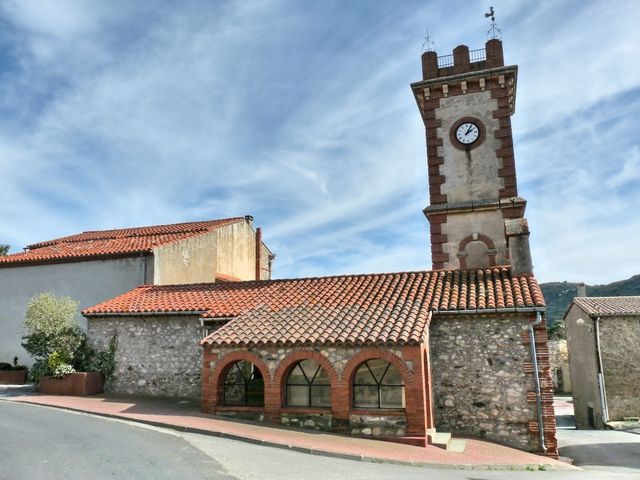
<point x="243" y="385"/>
<point x="308" y="385"/>
<point x="378" y="384"/>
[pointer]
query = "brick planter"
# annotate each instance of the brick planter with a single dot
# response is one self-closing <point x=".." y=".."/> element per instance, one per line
<point x="13" y="377"/>
<point x="79" y="383"/>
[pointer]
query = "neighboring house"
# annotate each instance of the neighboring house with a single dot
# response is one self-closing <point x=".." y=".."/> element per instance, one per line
<point x="462" y="348"/>
<point x="559" y="362"/>
<point x="603" y="336"/>
<point x="91" y="267"/>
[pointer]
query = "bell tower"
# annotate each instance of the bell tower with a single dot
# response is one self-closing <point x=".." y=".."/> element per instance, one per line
<point x="476" y="216"/>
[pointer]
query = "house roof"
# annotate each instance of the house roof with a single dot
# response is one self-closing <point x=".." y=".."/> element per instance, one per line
<point x="352" y="309"/>
<point x="609" y="306"/>
<point x="111" y="243"/>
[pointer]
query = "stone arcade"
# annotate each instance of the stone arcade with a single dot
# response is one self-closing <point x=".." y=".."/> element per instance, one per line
<point x="459" y="349"/>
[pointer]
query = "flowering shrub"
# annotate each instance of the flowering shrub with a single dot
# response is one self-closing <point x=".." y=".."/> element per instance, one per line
<point x="56" y="341"/>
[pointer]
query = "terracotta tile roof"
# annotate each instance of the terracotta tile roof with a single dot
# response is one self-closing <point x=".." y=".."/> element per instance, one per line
<point x="609" y="306"/>
<point x="352" y="309"/>
<point x="105" y="243"/>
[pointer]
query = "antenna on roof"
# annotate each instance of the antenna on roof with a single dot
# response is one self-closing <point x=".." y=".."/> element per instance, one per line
<point x="428" y="45"/>
<point x="493" y="32"/>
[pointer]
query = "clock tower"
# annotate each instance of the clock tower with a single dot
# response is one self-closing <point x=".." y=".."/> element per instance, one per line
<point x="476" y="216"/>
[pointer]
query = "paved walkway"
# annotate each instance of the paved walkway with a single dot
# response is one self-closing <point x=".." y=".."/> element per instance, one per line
<point x="186" y="416"/>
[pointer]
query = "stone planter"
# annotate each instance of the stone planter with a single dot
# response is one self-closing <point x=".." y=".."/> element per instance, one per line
<point x="78" y="383"/>
<point x="13" y="377"/>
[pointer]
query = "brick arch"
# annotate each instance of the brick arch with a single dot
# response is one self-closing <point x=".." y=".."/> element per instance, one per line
<point x="479" y="237"/>
<point x="280" y="377"/>
<point x="286" y="364"/>
<point x="373" y="353"/>
<point x="217" y="378"/>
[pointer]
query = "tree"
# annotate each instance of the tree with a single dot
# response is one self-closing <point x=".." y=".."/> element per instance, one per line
<point x="56" y="341"/>
<point x="4" y="249"/>
<point x="52" y="334"/>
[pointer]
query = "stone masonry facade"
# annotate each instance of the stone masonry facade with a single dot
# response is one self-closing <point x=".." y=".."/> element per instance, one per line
<point x="482" y="379"/>
<point x="157" y="356"/>
<point x="619" y="341"/>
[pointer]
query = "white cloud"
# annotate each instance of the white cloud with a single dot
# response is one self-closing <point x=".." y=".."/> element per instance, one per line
<point x="301" y="115"/>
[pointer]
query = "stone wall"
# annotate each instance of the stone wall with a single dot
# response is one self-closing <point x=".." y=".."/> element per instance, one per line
<point x="620" y="350"/>
<point x="378" y="425"/>
<point x="156" y="356"/>
<point x="479" y="385"/>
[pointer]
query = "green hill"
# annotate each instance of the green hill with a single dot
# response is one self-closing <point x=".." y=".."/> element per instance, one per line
<point x="558" y="295"/>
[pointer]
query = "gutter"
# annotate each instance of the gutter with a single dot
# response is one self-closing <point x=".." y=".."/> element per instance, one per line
<point x="143" y="314"/>
<point x="492" y="310"/>
<point x="602" y="391"/>
<point x="536" y="371"/>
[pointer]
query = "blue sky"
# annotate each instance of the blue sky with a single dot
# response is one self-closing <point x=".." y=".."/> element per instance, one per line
<point x="116" y="114"/>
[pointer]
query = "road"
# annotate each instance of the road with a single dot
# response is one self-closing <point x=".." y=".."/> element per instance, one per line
<point x="46" y="443"/>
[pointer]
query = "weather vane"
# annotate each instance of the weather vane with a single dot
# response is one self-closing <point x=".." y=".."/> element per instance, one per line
<point x="428" y="45"/>
<point x="493" y="32"/>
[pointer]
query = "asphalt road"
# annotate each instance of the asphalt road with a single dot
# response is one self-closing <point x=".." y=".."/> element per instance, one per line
<point x="46" y="443"/>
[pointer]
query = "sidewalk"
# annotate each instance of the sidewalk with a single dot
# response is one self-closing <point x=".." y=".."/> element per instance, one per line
<point x="186" y="416"/>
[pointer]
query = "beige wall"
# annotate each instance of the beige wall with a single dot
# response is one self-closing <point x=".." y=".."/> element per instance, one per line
<point x="192" y="260"/>
<point x="583" y="362"/>
<point x="236" y="255"/>
<point x="470" y="175"/>
<point x="489" y="223"/>
<point x="620" y="350"/>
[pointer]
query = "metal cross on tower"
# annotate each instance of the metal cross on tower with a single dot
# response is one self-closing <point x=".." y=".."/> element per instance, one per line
<point x="494" y="31"/>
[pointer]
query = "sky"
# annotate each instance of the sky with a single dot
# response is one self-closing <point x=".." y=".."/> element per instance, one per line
<point x="118" y="114"/>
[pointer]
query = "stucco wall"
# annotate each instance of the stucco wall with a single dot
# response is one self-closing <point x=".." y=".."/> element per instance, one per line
<point x="620" y="350"/>
<point x="236" y="254"/>
<point x="156" y="356"/>
<point x="192" y="260"/>
<point x="87" y="282"/>
<point x="489" y="223"/>
<point x="470" y="175"/>
<point x="583" y="364"/>
<point x="479" y="384"/>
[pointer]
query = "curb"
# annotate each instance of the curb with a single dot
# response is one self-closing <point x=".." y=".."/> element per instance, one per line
<point x="296" y="448"/>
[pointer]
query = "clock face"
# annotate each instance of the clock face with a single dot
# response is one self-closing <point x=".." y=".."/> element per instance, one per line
<point x="467" y="133"/>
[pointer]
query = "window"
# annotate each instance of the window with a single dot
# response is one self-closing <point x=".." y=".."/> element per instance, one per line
<point x="378" y="384"/>
<point x="308" y="385"/>
<point x="244" y="385"/>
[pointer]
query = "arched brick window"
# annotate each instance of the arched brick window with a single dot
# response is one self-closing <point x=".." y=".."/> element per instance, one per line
<point x="243" y="385"/>
<point x="308" y="385"/>
<point x="378" y="384"/>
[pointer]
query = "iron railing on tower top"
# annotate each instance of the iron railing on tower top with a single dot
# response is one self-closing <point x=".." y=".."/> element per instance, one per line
<point x="478" y="55"/>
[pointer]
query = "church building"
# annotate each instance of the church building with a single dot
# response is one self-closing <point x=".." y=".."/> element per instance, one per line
<point x="460" y="349"/>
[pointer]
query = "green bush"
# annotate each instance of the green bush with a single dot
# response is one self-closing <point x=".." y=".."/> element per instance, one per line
<point x="57" y="343"/>
<point x="5" y="367"/>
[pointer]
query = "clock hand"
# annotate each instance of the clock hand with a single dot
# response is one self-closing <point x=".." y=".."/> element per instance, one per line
<point x="468" y="130"/>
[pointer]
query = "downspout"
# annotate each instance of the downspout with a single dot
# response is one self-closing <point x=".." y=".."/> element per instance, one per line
<point x="601" y="388"/>
<point x="536" y="371"/>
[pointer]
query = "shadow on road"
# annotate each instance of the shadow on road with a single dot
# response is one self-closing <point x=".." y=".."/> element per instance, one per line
<point x="626" y="455"/>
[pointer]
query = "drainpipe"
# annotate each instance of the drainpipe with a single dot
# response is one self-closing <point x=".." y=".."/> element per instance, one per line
<point x="601" y="388"/>
<point x="536" y="371"/>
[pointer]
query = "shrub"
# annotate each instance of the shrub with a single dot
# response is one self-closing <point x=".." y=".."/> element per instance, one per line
<point x="4" y="366"/>
<point x="57" y="343"/>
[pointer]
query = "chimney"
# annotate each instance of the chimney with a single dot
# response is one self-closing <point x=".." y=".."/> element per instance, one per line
<point x="517" y="233"/>
<point x="258" y="252"/>
<point x="581" y="289"/>
<point x="249" y="220"/>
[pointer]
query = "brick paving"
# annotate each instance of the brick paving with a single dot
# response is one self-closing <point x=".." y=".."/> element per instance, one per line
<point x="185" y="416"/>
